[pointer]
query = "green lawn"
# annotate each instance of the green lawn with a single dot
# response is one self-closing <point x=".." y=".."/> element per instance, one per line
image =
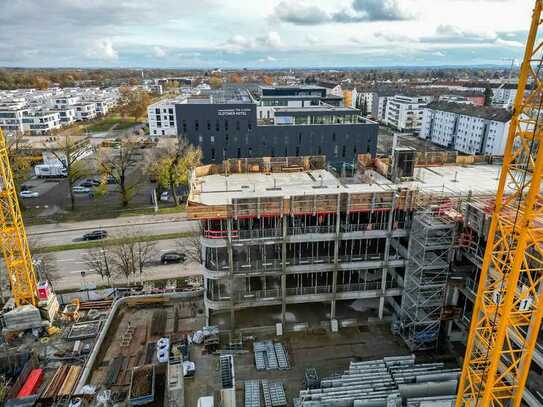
<point x="109" y="242"/>
<point x="108" y="122"/>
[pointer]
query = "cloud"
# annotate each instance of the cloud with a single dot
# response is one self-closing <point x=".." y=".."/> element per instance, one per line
<point x="267" y="59"/>
<point x="454" y="34"/>
<point x="382" y="10"/>
<point x="312" y="39"/>
<point x="238" y="43"/>
<point x="438" y="54"/>
<point x="271" y="40"/>
<point x="303" y="13"/>
<point x="159" y="52"/>
<point x="102" y="50"/>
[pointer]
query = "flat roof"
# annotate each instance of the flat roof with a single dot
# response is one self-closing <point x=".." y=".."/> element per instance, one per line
<point x="320" y="108"/>
<point x="449" y="180"/>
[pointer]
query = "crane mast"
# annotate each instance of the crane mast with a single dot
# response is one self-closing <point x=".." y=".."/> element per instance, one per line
<point x="13" y="240"/>
<point x="507" y="312"/>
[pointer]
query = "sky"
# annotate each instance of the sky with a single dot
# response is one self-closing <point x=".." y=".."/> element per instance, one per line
<point x="261" y="33"/>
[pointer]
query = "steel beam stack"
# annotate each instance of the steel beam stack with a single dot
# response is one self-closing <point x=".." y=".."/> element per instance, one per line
<point x="430" y="243"/>
<point x="383" y="383"/>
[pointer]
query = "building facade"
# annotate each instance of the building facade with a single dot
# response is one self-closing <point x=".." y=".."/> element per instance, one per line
<point x="404" y="113"/>
<point x="227" y="126"/>
<point x="467" y="129"/>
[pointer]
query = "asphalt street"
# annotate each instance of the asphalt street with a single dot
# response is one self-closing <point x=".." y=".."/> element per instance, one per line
<point x="67" y="266"/>
<point x="59" y="234"/>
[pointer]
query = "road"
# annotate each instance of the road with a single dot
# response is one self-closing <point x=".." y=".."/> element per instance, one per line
<point x="66" y="268"/>
<point x="65" y="233"/>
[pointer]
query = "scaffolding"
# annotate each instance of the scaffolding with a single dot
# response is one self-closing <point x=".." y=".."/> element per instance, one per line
<point x="425" y="280"/>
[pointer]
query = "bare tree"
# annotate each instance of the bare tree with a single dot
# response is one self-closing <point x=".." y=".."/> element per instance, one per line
<point x="98" y="261"/>
<point x="131" y="255"/>
<point x="192" y="246"/>
<point x="69" y="149"/>
<point x="120" y="164"/>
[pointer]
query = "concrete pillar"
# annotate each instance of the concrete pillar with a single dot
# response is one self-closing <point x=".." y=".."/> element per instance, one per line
<point x="453" y="300"/>
<point x="230" y="281"/>
<point x="386" y="256"/>
<point x="337" y="239"/>
<point x="284" y="270"/>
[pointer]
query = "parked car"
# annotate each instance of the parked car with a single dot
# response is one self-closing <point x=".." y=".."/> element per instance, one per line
<point x="86" y="184"/>
<point x="81" y="190"/>
<point x="172" y="257"/>
<point x="29" y="194"/>
<point x="111" y="180"/>
<point x="165" y="196"/>
<point x="95" y="235"/>
<point x="92" y="181"/>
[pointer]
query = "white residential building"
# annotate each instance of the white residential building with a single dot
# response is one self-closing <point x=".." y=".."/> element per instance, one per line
<point x="67" y="115"/>
<point x="85" y="111"/>
<point x="162" y="117"/>
<point x="465" y="128"/>
<point x="41" y="122"/>
<point x="404" y="113"/>
<point x="11" y="118"/>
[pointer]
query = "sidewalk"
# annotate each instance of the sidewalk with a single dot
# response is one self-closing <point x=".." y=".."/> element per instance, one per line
<point x="106" y="223"/>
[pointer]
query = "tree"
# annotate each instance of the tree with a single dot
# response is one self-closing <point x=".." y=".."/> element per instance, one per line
<point x="18" y="159"/>
<point x="347" y="98"/>
<point x="98" y="261"/>
<point x="488" y="96"/>
<point x="119" y="164"/>
<point x="268" y="80"/>
<point x="132" y="254"/>
<point x="215" y="82"/>
<point x="69" y="149"/>
<point x="192" y="246"/>
<point x="171" y="165"/>
<point x="40" y="83"/>
<point x="235" y="78"/>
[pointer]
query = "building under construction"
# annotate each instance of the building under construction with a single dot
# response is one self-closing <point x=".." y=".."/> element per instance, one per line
<point x="400" y="239"/>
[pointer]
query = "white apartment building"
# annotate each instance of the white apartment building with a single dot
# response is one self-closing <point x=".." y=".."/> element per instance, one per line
<point x="41" y="122"/>
<point x="11" y="118"/>
<point x="465" y="128"/>
<point x="85" y="111"/>
<point x="404" y="113"/>
<point x="162" y="117"/>
<point x="66" y="101"/>
<point x="67" y="115"/>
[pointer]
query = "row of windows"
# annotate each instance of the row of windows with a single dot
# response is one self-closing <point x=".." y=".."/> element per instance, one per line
<point x="217" y="125"/>
<point x="273" y="152"/>
<point x="275" y="138"/>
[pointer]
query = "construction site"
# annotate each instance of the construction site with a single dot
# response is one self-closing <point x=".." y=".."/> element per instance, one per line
<point x="407" y="279"/>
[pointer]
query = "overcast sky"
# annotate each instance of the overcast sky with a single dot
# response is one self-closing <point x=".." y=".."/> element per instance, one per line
<point x="261" y="33"/>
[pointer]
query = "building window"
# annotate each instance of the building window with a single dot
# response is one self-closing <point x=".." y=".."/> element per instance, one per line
<point x="249" y="126"/>
<point x="226" y="125"/>
<point x="184" y="126"/>
<point x="209" y="124"/>
<point x="299" y="138"/>
<point x="237" y="125"/>
<point x="226" y="138"/>
<point x="239" y="152"/>
<point x="212" y="139"/>
<point x="157" y="111"/>
<point x="212" y="153"/>
<point x="344" y="151"/>
<point x="217" y="126"/>
<point x="297" y="151"/>
<point x="196" y="125"/>
<point x="335" y="151"/>
<point x="170" y="111"/>
<point x="250" y="152"/>
<point x="200" y="139"/>
<point x="334" y="137"/>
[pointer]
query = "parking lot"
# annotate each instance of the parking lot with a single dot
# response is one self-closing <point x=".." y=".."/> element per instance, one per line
<point x="53" y="202"/>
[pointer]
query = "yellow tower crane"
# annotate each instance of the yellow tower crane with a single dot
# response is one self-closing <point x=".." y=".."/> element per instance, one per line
<point x="507" y="313"/>
<point x="17" y="259"/>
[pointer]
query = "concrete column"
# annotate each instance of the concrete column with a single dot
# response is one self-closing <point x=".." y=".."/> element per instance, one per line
<point x="284" y="270"/>
<point x="337" y="239"/>
<point x="386" y="257"/>
<point x="230" y="283"/>
<point x="453" y="300"/>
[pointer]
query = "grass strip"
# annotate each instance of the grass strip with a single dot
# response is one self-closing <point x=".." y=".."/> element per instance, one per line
<point x="108" y="242"/>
